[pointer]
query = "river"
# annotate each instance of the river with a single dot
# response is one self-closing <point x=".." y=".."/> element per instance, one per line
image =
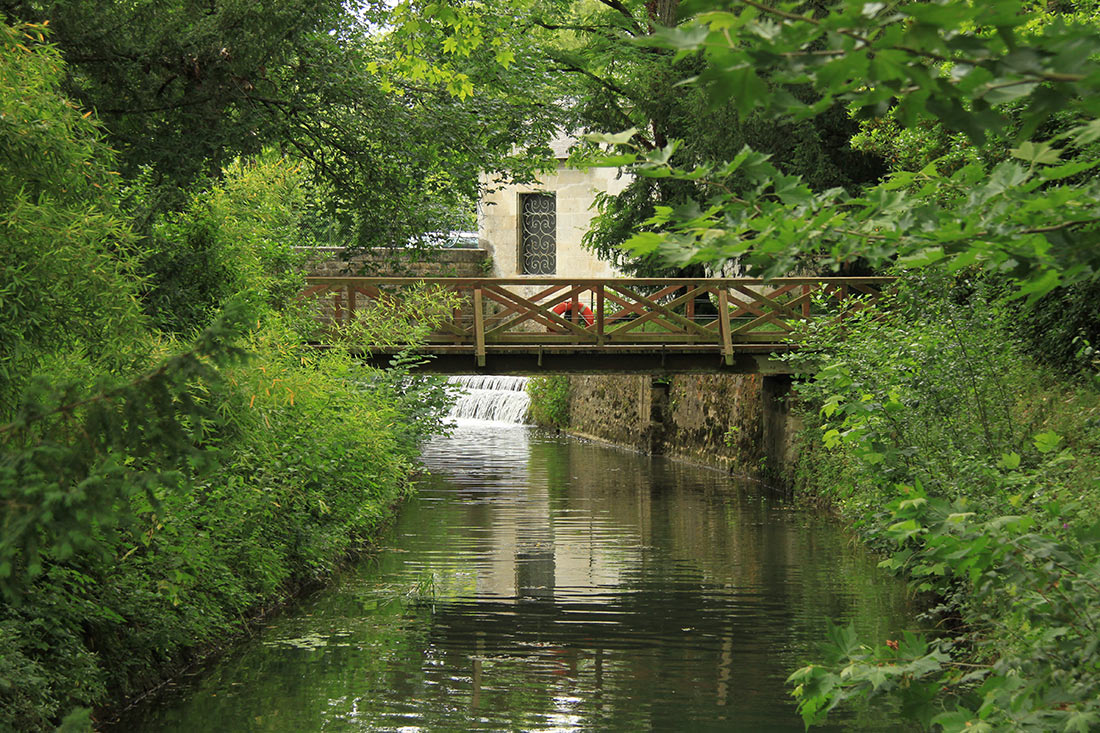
<point x="538" y="583"/>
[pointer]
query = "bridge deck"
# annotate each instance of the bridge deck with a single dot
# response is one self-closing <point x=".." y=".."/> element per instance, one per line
<point x="625" y="325"/>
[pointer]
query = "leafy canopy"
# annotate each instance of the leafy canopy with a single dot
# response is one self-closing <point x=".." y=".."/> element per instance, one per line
<point x="188" y="88"/>
<point x="1029" y="217"/>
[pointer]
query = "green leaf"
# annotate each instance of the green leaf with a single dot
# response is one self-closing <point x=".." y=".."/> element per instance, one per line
<point x="1010" y="461"/>
<point x="1081" y="721"/>
<point x="922" y="257"/>
<point x="1047" y="441"/>
<point x="1086" y="134"/>
<point x="613" y="161"/>
<point x="744" y="87"/>
<point x="687" y="38"/>
<point x="1068" y="169"/>
<point x="1037" y="153"/>
<point x="644" y="243"/>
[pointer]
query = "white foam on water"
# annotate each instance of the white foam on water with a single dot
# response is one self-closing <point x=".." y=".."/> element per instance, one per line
<point x="491" y="399"/>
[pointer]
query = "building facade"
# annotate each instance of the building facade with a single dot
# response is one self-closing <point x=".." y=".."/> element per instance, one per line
<point x="535" y="230"/>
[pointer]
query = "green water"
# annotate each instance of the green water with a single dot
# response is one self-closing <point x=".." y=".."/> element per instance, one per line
<point x="544" y="584"/>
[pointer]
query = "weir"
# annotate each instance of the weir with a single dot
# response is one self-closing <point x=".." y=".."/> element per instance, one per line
<point x="496" y="398"/>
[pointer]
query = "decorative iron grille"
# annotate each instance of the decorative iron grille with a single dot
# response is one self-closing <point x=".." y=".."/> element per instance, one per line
<point x="539" y="241"/>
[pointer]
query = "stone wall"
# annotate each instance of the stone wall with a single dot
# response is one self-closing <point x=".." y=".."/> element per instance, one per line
<point x="737" y="422"/>
<point x="331" y="262"/>
<point x="615" y="408"/>
<point x="716" y="419"/>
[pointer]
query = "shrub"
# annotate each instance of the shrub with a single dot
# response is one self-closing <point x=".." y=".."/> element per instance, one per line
<point x="950" y="449"/>
<point x="311" y="467"/>
<point x="67" y="278"/>
<point x="550" y="400"/>
<point x="234" y="239"/>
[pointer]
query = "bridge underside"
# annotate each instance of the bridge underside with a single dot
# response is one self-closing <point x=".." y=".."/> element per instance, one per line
<point x="565" y="360"/>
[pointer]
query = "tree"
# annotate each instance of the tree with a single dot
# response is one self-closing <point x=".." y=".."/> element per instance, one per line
<point x="610" y="76"/>
<point x="184" y="88"/>
<point x="1030" y="217"/>
<point x="67" y="282"/>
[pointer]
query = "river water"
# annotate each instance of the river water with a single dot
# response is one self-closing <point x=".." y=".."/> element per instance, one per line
<point x="544" y="584"/>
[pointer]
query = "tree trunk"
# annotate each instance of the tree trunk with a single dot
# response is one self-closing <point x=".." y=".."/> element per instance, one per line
<point x="661" y="12"/>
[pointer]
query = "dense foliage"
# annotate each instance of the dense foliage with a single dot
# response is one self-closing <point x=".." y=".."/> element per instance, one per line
<point x="182" y="89"/>
<point x="165" y="476"/>
<point x="66" y="247"/>
<point x="550" y="400"/>
<point x="232" y="239"/>
<point x="620" y="80"/>
<point x="984" y="70"/>
<point x="955" y="453"/>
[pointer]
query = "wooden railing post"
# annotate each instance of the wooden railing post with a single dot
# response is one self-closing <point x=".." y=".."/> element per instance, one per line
<point x="724" y="325"/>
<point x="806" y="304"/>
<point x="351" y="303"/>
<point x="337" y="308"/>
<point x="599" y="314"/>
<point x="479" y="328"/>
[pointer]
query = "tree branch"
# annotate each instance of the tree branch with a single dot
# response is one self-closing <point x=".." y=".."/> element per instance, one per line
<point x="931" y="56"/>
<point x="622" y="10"/>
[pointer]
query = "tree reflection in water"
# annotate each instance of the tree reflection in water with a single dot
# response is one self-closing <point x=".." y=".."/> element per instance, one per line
<point x="572" y="587"/>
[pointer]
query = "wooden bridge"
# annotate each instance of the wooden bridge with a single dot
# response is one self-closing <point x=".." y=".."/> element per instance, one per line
<point x="617" y="325"/>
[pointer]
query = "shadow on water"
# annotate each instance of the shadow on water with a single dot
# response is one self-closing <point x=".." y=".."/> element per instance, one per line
<point x="544" y="584"/>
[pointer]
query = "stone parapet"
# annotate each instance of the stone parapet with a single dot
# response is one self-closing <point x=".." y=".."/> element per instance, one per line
<point x="338" y="262"/>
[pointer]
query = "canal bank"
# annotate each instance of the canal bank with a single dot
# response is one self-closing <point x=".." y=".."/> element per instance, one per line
<point x="740" y="423"/>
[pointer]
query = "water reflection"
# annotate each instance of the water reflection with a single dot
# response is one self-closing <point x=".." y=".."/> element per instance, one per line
<point x="540" y="584"/>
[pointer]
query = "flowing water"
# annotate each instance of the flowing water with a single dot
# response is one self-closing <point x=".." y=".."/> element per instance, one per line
<point x="493" y="398"/>
<point x="544" y="584"/>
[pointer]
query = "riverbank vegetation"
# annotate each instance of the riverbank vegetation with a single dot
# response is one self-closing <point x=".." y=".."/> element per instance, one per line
<point x="173" y="459"/>
<point x="974" y="468"/>
<point x="550" y="401"/>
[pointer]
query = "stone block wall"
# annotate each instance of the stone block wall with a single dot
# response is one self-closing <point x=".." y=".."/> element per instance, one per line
<point x="332" y="262"/>
<point x="717" y="419"/>
<point x="737" y="422"/>
<point x="613" y="408"/>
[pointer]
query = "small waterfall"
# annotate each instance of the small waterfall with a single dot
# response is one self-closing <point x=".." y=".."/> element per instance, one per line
<point x="500" y="399"/>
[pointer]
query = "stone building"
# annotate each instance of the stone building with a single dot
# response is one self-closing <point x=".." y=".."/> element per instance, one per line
<point x="535" y="229"/>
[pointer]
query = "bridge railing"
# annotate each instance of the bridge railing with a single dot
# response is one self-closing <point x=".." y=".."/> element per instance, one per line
<point x="725" y="314"/>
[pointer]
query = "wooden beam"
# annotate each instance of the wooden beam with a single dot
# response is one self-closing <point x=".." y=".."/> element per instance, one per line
<point x="658" y="312"/>
<point x="479" y="329"/>
<point x="541" y="313"/>
<point x="724" y="326"/>
<point x="729" y="282"/>
<point x="600" y="336"/>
